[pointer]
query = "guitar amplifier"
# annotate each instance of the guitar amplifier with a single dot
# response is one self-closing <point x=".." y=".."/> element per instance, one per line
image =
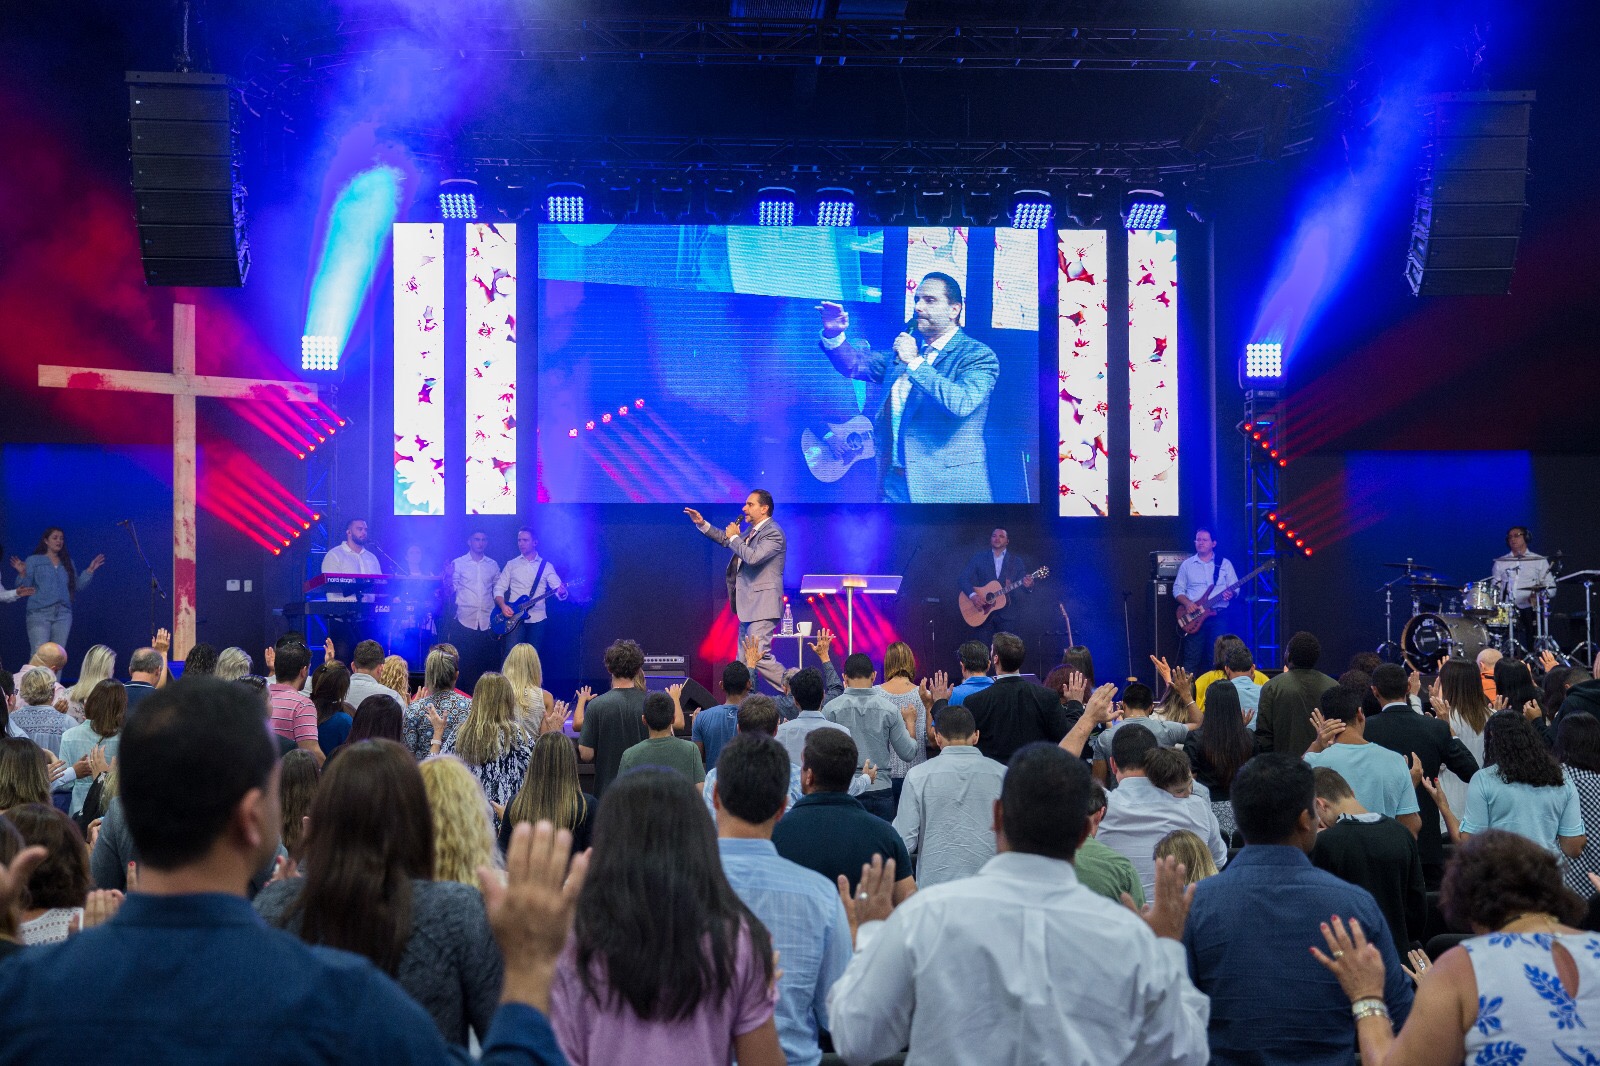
<point x="1164" y="565"/>
<point x="663" y="664"/>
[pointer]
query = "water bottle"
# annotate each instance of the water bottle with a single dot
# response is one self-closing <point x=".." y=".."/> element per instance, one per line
<point x="788" y="620"/>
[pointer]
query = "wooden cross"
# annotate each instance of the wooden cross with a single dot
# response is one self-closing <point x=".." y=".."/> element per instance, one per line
<point x="183" y="385"/>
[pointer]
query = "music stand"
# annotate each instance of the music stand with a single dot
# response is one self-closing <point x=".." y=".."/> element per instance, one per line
<point x="850" y="584"/>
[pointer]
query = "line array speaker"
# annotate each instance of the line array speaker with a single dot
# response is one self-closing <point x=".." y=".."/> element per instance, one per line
<point x="189" y="202"/>
<point x="1472" y="197"/>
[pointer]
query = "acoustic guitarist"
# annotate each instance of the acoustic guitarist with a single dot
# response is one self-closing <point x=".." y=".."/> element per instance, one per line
<point x="995" y="563"/>
<point x="1199" y="573"/>
<point x="526" y="575"/>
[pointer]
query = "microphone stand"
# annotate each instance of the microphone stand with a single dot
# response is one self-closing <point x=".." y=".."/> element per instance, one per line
<point x="1127" y="635"/>
<point x="155" y="583"/>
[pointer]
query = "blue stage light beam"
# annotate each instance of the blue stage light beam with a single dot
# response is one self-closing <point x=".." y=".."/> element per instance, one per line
<point x="358" y="231"/>
<point x="1340" y="216"/>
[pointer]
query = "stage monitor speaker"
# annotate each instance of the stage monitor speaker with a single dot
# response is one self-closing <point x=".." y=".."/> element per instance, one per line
<point x="188" y="201"/>
<point x="1474" y="181"/>
<point x="694" y="696"/>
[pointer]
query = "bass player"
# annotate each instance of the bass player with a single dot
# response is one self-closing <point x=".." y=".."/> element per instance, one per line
<point x="1203" y="571"/>
<point x="527" y="575"/>
<point x="996" y="563"/>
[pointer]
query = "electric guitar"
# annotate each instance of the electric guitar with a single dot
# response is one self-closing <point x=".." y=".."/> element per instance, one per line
<point x="830" y="456"/>
<point x="504" y="626"/>
<point x="1191" y="618"/>
<point x="992" y="597"/>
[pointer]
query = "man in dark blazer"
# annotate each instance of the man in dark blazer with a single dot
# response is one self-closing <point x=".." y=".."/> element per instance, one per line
<point x="995" y="563"/>
<point x="1014" y="711"/>
<point x="1401" y="729"/>
<point x="755" y="575"/>
<point x="928" y="432"/>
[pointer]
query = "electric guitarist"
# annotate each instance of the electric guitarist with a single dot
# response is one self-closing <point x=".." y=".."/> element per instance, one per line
<point x="527" y="575"/>
<point x="996" y="563"/>
<point x="1198" y="574"/>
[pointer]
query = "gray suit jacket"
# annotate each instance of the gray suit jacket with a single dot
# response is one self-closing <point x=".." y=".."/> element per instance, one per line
<point x="946" y="461"/>
<point x="755" y="573"/>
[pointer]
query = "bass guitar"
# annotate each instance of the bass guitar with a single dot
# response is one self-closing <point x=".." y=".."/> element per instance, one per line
<point x="1192" y="617"/>
<point x="504" y="626"/>
<point x="844" y="444"/>
<point x="992" y="597"/>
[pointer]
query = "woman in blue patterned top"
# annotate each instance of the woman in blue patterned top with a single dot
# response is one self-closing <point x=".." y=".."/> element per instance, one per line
<point x="1525" y="990"/>
<point x="49" y="571"/>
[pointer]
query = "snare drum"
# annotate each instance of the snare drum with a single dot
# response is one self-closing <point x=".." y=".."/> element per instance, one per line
<point x="1480" y="599"/>
<point x="1429" y="639"/>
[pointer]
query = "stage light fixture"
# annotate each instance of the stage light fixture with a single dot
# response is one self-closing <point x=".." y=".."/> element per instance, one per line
<point x="1084" y="205"/>
<point x="672" y="198"/>
<point x="982" y="202"/>
<point x="775" y="206"/>
<point x="1144" y="209"/>
<point x="935" y="204"/>
<point x="1032" y="209"/>
<point x="1263" y="361"/>
<point x="619" y="198"/>
<point x="319" y="353"/>
<point x="836" y="207"/>
<point x="725" y="198"/>
<point x="886" y="200"/>
<point x="564" y="201"/>
<point x="458" y="199"/>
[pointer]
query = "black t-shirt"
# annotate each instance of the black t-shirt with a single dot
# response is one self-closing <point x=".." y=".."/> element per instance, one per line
<point x="831" y="833"/>
<point x="612" y="723"/>
<point x="1382" y="857"/>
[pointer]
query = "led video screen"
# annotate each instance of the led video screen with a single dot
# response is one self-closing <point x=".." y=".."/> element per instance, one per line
<point x="689" y="363"/>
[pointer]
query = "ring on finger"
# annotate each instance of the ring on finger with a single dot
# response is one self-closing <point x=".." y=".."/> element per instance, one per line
<point x="1338" y="954"/>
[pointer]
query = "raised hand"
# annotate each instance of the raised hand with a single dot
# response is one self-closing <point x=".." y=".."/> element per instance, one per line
<point x="1183" y="681"/>
<point x="1413" y="680"/>
<point x="162" y="641"/>
<point x="1502" y="703"/>
<point x="1354" y="961"/>
<point x="18" y="565"/>
<point x="1163" y="671"/>
<point x="1431" y="787"/>
<point x="1327" y="730"/>
<point x="694" y="516"/>
<point x="935" y="689"/>
<point x="555" y="719"/>
<point x="436" y="722"/>
<point x="835" y="319"/>
<point x="822" y="643"/>
<point x="96" y="563"/>
<point x="1441" y="706"/>
<point x="1169" y="910"/>
<point x="751" y="647"/>
<point x="1547" y="660"/>
<point x="1532" y="711"/>
<point x="100" y="907"/>
<point x="1076" y="689"/>
<point x="1415" y="765"/>
<point x="1100" y="707"/>
<point x="327" y="650"/>
<point x="531" y="913"/>
<point x="1420" y="964"/>
<point x="874" y="897"/>
<point x="583" y="695"/>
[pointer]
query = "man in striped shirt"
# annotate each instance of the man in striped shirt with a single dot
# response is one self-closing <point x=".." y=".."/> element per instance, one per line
<point x="293" y="715"/>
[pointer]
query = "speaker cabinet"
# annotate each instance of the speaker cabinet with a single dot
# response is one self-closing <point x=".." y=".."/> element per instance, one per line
<point x="188" y="200"/>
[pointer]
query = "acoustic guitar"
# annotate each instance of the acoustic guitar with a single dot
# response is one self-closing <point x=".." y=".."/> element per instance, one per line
<point x="992" y="597"/>
<point x="843" y="445"/>
<point x="1191" y="618"/>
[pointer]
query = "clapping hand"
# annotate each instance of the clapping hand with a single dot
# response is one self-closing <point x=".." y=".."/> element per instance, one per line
<point x="874" y="897"/>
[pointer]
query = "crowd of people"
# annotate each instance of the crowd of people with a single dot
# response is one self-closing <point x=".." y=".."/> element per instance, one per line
<point x="868" y="864"/>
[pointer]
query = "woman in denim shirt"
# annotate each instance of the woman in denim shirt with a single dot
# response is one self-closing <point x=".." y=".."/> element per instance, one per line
<point x="49" y="570"/>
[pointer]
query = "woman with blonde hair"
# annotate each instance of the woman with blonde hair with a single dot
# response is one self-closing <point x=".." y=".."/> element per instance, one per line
<point x="99" y="663"/>
<point x="1189" y="850"/>
<point x="232" y="664"/>
<point x="463" y="826"/>
<point x="550" y="793"/>
<point x="526" y="674"/>
<point x="395" y="675"/>
<point x="439" y="700"/>
<point x="495" y="742"/>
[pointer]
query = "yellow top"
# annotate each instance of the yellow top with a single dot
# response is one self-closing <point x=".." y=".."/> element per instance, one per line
<point x="1203" y="682"/>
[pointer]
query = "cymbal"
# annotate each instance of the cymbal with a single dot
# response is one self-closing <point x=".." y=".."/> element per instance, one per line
<point x="1432" y="586"/>
<point x="1409" y="565"/>
<point x="1577" y="574"/>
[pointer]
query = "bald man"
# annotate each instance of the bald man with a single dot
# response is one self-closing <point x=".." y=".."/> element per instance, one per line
<point x="1486" y="662"/>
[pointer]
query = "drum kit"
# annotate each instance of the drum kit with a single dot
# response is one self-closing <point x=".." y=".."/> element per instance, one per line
<point x="1450" y="620"/>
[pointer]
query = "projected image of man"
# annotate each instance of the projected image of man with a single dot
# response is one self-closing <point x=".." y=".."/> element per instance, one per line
<point x="929" y="428"/>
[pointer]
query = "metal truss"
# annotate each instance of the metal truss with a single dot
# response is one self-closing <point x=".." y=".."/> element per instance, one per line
<point x="1261" y="499"/>
<point x="865" y="43"/>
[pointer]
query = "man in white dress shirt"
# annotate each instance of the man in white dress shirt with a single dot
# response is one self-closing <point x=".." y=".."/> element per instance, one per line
<point x="1523" y="573"/>
<point x="1138" y="814"/>
<point x="1197" y="573"/>
<point x="992" y="968"/>
<point x="350" y="556"/>
<point x="527" y="574"/>
<point x="946" y="814"/>
<point x="471" y="579"/>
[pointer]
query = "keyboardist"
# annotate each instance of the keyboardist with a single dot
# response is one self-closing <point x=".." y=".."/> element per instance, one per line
<point x="349" y="557"/>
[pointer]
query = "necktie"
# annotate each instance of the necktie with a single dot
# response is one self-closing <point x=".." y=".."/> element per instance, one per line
<point x="897" y="402"/>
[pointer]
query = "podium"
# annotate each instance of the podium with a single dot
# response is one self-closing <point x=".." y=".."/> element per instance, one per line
<point x="850" y="584"/>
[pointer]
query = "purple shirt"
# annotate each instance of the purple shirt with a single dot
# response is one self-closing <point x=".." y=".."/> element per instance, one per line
<point x="594" y="1035"/>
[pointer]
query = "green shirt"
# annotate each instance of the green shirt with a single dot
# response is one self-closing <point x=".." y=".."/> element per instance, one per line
<point x="1106" y="873"/>
<point x="672" y="752"/>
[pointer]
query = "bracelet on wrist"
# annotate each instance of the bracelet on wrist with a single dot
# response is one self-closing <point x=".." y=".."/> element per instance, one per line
<point x="1369" y="1007"/>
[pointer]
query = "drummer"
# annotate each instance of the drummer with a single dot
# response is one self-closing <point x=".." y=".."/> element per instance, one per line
<point x="1522" y="573"/>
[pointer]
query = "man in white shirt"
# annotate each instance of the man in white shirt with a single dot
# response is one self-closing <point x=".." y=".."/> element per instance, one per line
<point x="350" y="556"/>
<point x="990" y="968"/>
<point x="946" y="814"/>
<point x="1523" y="573"/>
<point x="527" y="575"/>
<point x="470" y="578"/>
<point x="365" y="662"/>
<point x="1196" y="574"/>
<point x="1138" y="814"/>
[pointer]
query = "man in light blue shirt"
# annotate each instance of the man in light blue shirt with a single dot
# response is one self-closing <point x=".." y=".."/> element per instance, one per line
<point x="876" y="727"/>
<point x="1380" y="778"/>
<point x="946" y="814"/>
<point x="715" y="726"/>
<point x="974" y="671"/>
<point x="1202" y="570"/>
<point x="759" y="714"/>
<point x="801" y="910"/>
<point x="1138" y="814"/>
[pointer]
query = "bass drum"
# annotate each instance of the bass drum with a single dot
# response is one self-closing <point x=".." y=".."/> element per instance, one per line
<point x="1429" y="639"/>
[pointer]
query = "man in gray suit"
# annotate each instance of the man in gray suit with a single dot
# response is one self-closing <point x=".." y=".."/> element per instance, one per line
<point x="929" y="430"/>
<point x="755" y="575"/>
